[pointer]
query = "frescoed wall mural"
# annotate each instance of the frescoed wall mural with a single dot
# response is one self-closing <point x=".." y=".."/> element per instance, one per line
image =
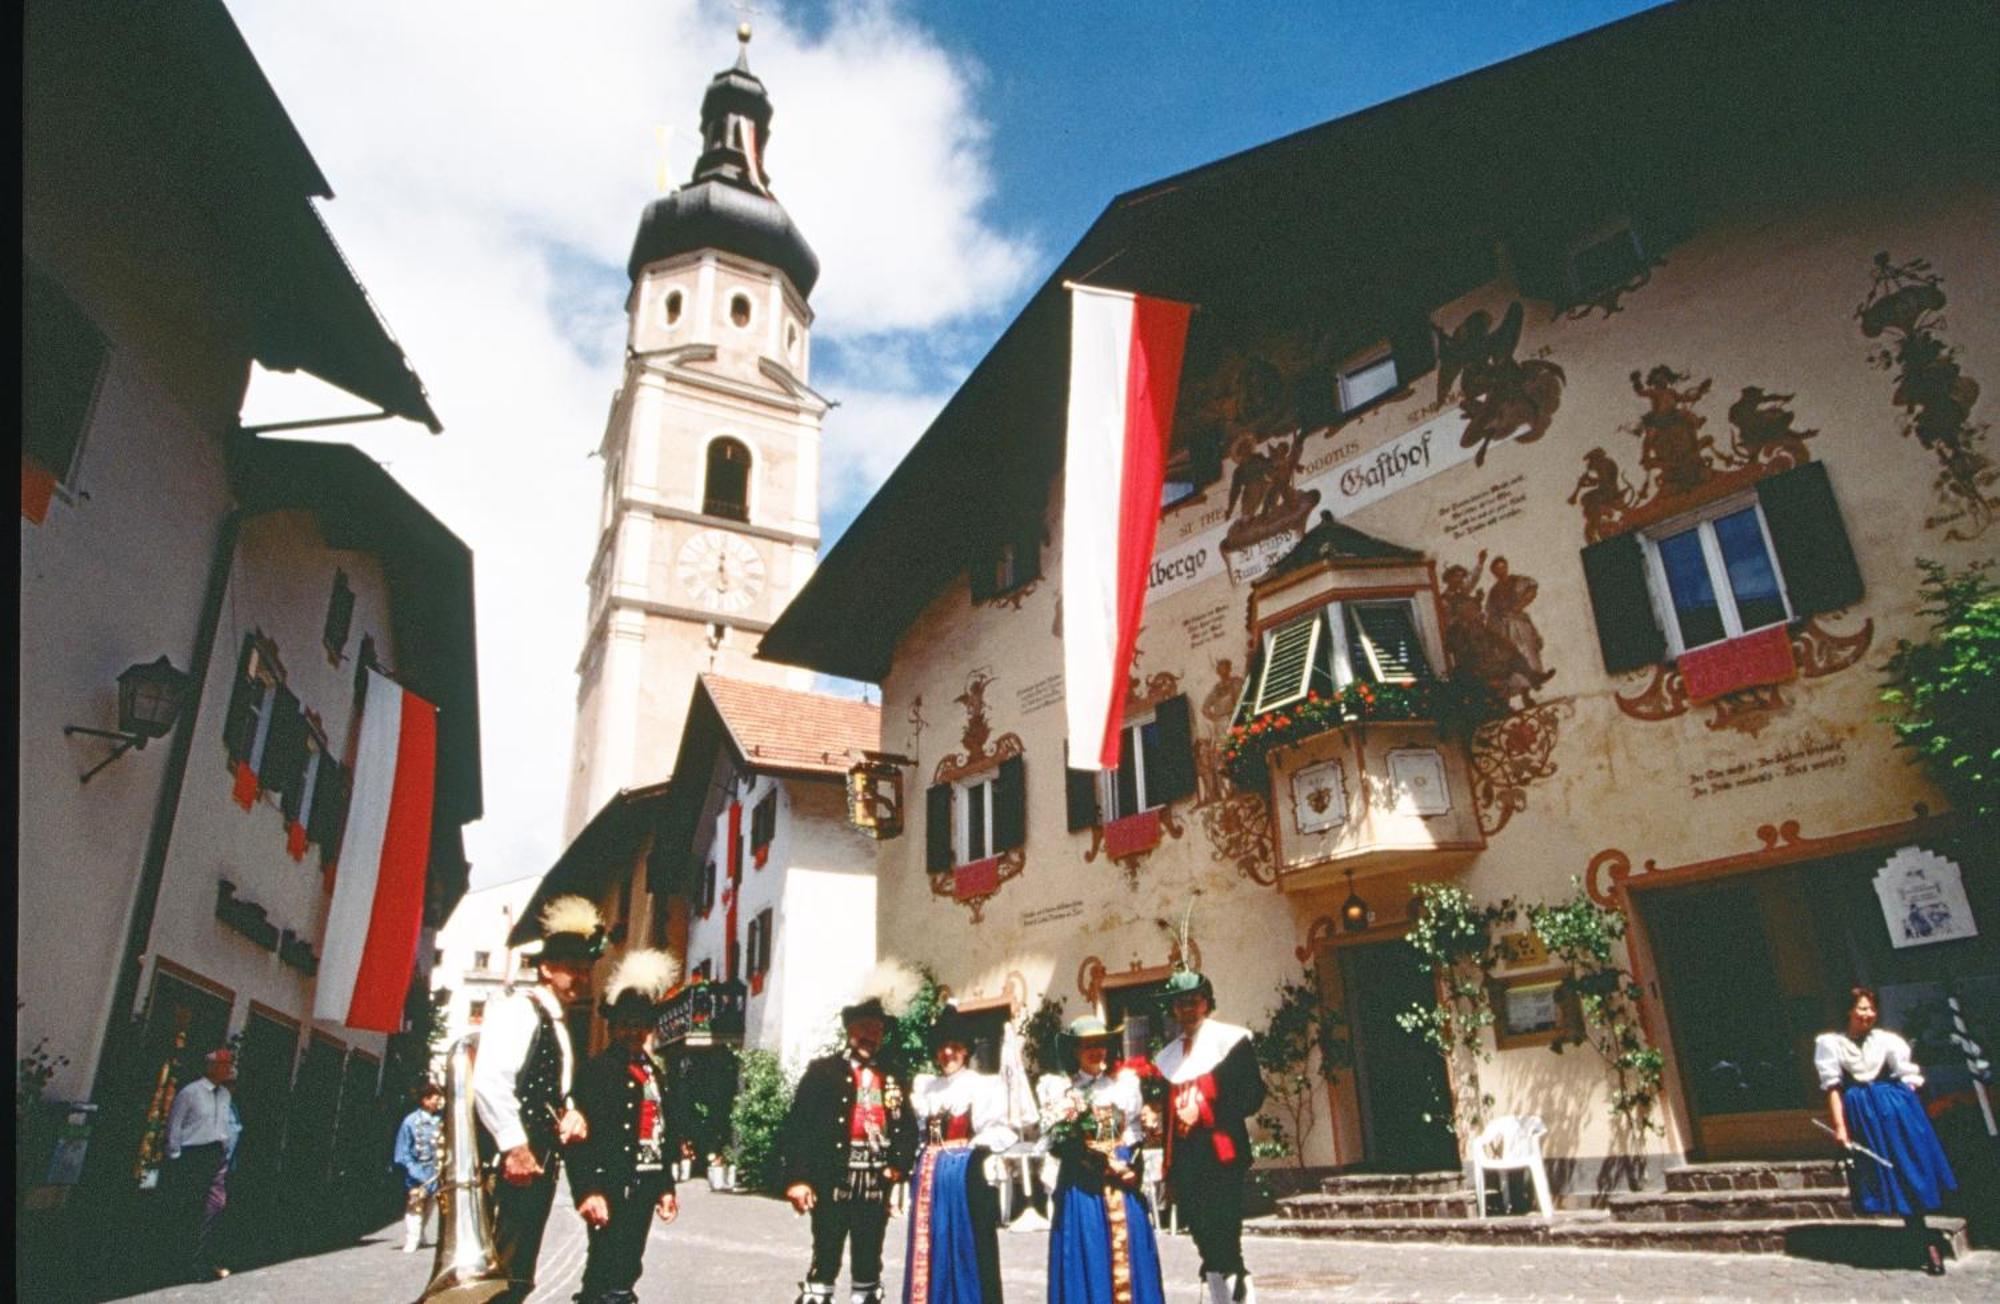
<point x="973" y="886"/>
<point x="1905" y="311"/>
<point x="1501" y="397"/>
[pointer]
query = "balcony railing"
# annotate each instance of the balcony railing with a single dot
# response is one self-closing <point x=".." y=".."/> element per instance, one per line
<point x="704" y="1014"/>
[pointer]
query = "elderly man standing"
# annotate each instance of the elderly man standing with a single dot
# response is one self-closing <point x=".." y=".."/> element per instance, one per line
<point x="202" y="1129"/>
<point x="521" y="1083"/>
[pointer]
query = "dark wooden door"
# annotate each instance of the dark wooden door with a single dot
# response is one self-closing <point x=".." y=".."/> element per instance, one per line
<point x="1405" y="1095"/>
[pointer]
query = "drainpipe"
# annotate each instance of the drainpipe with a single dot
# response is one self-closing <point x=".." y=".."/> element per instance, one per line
<point x="153" y="869"/>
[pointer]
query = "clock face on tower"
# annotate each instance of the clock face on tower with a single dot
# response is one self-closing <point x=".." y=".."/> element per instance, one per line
<point x="720" y="572"/>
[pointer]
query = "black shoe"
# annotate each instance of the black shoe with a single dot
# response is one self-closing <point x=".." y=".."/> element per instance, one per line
<point x="1934" y="1259"/>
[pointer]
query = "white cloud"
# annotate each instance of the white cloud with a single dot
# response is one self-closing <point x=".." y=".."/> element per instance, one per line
<point x="491" y="162"/>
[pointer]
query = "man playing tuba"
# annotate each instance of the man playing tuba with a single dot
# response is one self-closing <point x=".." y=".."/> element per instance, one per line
<point x="521" y="1085"/>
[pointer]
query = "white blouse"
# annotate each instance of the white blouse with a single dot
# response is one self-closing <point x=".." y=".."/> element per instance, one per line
<point x="967" y="1091"/>
<point x="1120" y="1091"/>
<point x="1835" y="1056"/>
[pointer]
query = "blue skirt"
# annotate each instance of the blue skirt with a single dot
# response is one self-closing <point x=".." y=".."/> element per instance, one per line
<point x="955" y="1241"/>
<point x="1886" y="1116"/>
<point x="1080" y="1243"/>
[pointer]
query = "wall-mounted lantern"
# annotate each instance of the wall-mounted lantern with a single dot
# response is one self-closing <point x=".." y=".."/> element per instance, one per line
<point x="1354" y="912"/>
<point x="875" y="794"/>
<point x="149" y="702"/>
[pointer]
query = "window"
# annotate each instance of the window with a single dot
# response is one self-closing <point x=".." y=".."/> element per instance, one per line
<point x="759" y="949"/>
<point x="475" y="1013"/>
<point x="1156" y="766"/>
<point x="1364" y="382"/>
<point x="673" y="307"/>
<point x="1738" y="565"/>
<point x="977" y="817"/>
<point x="339" y="617"/>
<point x="1716" y="579"/>
<point x="987" y="1030"/>
<point x="1125" y="789"/>
<point x="763" y="826"/>
<point x="1374" y="640"/>
<point x="707" y="888"/>
<point x="482" y="961"/>
<point x="1012" y="562"/>
<point x="63" y="358"/>
<point x="739" y="309"/>
<point x="1193" y="464"/>
<point x="726" y="492"/>
<point x="1137" y="1006"/>
<point x="248" y="719"/>
<point x="1604" y="261"/>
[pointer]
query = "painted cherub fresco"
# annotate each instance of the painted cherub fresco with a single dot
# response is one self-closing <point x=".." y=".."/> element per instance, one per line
<point x="1672" y="449"/>
<point x="1604" y="494"/>
<point x="1501" y="396"/>
<point x="977" y="727"/>
<point x="1761" y="430"/>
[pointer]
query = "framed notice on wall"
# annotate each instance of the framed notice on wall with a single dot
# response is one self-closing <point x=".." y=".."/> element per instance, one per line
<point x="1533" y="1009"/>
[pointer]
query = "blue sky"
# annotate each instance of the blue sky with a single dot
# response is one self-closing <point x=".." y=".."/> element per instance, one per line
<point x="491" y="159"/>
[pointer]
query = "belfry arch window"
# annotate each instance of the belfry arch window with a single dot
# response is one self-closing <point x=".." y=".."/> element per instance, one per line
<point x="726" y="491"/>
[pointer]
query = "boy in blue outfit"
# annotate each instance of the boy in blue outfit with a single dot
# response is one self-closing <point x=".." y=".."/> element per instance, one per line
<point x="417" y="1156"/>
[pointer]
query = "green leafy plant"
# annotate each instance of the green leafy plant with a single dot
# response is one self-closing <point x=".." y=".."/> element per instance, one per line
<point x="756" y="1119"/>
<point x="1452" y="937"/>
<point x="1585" y="936"/>
<point x="1302" y="1046"/>
<point x="1041" y="1035"/>
<point x="1947" y="688"/>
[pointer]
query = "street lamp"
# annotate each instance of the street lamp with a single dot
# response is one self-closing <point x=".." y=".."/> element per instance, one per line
<point x="149" y="702"/>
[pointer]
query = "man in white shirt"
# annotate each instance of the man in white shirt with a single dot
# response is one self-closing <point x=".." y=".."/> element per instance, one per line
<point x="201" y="1136"/>
<point x="521" y="1077"/>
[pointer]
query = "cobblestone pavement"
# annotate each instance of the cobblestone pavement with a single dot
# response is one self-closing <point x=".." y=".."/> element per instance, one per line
<point x="729" y="1248"/>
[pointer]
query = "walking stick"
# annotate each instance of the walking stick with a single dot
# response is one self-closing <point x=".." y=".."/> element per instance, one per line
<point x="1854" y="1146"/>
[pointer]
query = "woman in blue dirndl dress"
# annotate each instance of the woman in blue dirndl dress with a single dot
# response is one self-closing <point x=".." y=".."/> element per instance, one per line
<point x="1101" y="1244"/>
<point x="953" y="1251"/>
<point x="1871" y="1082"/>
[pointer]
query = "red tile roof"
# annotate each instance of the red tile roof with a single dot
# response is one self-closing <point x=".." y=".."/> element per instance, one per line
<point x="788" y="729"/>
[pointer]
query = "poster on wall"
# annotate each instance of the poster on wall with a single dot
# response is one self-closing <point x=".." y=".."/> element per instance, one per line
<point x="1923" y="899"/>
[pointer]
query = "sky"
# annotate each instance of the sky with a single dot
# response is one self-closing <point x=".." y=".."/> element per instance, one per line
<point x="490" y="162"/>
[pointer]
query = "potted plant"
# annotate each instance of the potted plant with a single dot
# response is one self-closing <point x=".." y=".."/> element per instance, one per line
<point x="722" y="1170"/>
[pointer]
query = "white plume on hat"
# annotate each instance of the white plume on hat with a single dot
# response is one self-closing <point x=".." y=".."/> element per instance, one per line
<point x="893" y="983"/>
<point x="570" y="914"/>
<point x="648" y="972"/>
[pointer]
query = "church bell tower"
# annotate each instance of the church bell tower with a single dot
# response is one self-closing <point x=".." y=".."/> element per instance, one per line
<point x="710" y="517"/>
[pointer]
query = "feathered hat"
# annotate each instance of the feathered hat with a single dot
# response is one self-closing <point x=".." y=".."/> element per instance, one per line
<point x="887" y="993"/>
<point x="572" y="930"/>
<point x="638" y="986"/>
<point x="951" y="1028"/>
<point x="1186" y="979"/>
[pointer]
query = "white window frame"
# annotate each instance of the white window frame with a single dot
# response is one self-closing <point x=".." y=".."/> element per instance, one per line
<point x="1703" y="519"/>
<point x="1368" y="361"/>
<point x="1107" y="780"/>
<point x="982" y="789"/>
<point x="267" y="698"/>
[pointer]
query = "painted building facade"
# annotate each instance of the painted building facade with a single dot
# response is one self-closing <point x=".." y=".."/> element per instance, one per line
<point x="473" y="964"/>
<point x="1645" y="454"/>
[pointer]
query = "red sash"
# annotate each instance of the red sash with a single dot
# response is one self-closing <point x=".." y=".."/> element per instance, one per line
<point x="1202" y="1092"/>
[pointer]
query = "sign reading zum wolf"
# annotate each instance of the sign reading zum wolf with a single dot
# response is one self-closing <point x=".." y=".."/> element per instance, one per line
<point x="1923" y="899"/>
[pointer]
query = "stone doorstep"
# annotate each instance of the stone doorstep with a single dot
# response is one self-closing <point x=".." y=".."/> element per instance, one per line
<point x="1598" y="1231"/>
<point x="1756" y="1205"/>
<point x="1442" y="1182"/>
<point x="1445" y="1204"/>
<point x="1784" y="1175"/>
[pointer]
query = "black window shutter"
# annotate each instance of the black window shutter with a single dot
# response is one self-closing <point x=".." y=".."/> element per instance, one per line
<point x="981" y="577"/>
<point x="239" y="723"/>
<point x="339" y="614"/>
<point x="329" y="808"/>
<point x="1414" y="346"/>
<point x="64" y="358"/>
<point x="1814" y="553"/>
<point x="1627" y="633"/>
<point x="284" y="744"/>
<point x="937" y="828"/>
<point x="1079" y="796"/>
<point x="1010" y="805"/>
<point x="1176" y="777"/>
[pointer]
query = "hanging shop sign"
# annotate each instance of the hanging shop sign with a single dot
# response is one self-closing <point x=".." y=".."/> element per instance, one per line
<point x="1923" y="899"/>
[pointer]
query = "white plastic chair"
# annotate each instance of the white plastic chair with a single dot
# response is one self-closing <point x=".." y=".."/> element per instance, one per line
<point x="1509" y="1144"/>
<point x="1155" y="1170"/>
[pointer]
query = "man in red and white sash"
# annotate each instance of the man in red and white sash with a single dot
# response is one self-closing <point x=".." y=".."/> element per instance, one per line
<point x="1212" y="1069"/>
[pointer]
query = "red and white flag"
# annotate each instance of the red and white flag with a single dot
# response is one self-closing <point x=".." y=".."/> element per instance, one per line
<point x="1124" y="373"/>
<point x="369" y="947"/>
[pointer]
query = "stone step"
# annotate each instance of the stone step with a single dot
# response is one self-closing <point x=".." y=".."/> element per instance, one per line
<point x="1393" y="1183"/>
<point x="1759" y="1205"/>
<point x="1782" y="1175"/>
<point x="1871" y="1241"/>
<point x="1383" y="1204"/>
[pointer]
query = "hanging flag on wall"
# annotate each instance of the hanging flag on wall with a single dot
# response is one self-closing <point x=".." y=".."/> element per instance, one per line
<point x="1124" y="374"/>
<point x="369" y="948"/>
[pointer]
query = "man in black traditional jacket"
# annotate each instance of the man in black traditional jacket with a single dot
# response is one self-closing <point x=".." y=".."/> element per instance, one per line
<point x="848" y="1140"/>
<point x="1215" y="1085"/>
<point x="521" y="1083"/>
<point x="621" y="1174"/>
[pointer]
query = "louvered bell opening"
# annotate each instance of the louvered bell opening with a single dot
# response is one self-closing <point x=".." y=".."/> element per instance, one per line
<point x="1383" y="639"/>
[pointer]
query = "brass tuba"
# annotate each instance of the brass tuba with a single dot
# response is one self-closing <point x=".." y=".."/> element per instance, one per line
<point x="466" y="1270"/>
